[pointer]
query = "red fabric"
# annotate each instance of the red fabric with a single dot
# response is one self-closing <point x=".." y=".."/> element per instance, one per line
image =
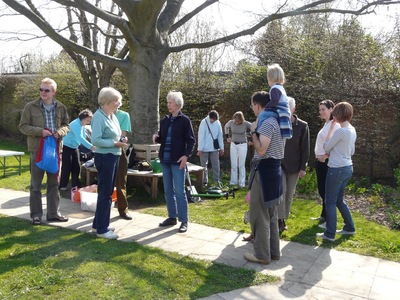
<point x="39" y="154"/>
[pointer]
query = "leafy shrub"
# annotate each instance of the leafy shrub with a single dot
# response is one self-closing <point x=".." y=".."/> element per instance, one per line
<point x="308" y="184"/>
<point x="394" y="217"/>
<point x="376" y="189"/>
<point x="397" y="176"/>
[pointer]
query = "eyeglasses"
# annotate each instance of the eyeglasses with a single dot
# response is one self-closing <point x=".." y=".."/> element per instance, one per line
<point x="44" y="90"/>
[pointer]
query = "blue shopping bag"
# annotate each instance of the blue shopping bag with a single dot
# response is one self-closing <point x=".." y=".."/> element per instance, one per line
<point x="47" y="158"/>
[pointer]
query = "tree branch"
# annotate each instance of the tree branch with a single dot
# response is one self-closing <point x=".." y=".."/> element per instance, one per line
<point x="116" y="20"/>
<point x="168" y="15"/>
<point x="67" y="44"/>
<point x="190" y="15"/>
<point x="304" y="10"/>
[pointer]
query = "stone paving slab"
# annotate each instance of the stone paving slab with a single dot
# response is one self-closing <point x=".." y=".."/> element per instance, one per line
<point x="306" y="272"/>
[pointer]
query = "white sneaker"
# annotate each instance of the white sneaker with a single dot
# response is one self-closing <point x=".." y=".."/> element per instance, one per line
<point x="345" y="232"/>
<point x="111" y="235"/>
<point x="323" y="236"/>
<point x="322" y="225"/>
<point x="109" y="228"/>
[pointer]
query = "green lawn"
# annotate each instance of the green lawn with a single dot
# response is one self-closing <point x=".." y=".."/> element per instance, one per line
<point x="372" y="239"/>
<point x="48" y="262"/>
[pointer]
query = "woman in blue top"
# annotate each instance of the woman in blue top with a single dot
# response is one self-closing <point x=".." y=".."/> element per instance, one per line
<point x="340" y="146"/>
<point x="70" y="157"/>
<point x="106" y="137"/>
<point x="177" y="143"/>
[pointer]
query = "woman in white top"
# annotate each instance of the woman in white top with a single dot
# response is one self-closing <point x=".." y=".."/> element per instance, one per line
<point x="321" y="162"/>
<point x="340" y="144"/>
<point x="237" y="128"/>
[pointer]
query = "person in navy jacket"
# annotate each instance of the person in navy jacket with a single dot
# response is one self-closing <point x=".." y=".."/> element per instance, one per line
<point x="177" y="143"/>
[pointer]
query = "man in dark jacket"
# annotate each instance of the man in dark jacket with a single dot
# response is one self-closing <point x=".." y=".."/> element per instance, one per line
<point x="294" y="163"/>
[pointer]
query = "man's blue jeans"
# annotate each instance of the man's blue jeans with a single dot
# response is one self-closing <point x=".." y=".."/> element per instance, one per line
<point x="174" y="191"/>
<point x="106" y="165"/>
<point x="336" y="181"/>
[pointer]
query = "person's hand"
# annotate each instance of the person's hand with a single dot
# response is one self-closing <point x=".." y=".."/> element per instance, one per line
<point x="322" y="158"/>
<point x="229" y="140"/>
<point x="253" y="126"/>
<point x="155" y="136"/>
<point x="56" y="135"/>
<point x="124" y="139"/>
<point x="199" y="153"/>
<point x="250" y="143"/>
<point x="120" y="145"/>
<point x="221" y="152"/>
<point x="45" y="133"/>
<point x="93" y="148"/>
<point x="182" y="161"/>
<point x="302" y="173"/>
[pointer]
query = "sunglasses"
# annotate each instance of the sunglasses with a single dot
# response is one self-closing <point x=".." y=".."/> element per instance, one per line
<point x="44" y="90"/>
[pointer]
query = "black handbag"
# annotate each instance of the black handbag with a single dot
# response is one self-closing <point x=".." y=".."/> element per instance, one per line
<point x="215" y="141"/>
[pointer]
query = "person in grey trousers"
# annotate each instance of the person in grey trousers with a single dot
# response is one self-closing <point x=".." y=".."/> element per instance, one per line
<point x="294" y="163"/>
<point x="210" y="145"/>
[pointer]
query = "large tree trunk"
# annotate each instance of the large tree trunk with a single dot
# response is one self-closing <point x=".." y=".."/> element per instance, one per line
<point x="143" y="79"/>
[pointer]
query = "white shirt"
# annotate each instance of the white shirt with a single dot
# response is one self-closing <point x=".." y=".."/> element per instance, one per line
<point x="321" y="137"/>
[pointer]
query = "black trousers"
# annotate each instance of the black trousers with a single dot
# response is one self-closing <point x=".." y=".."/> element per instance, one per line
<point x="70" y="166"/>
<point x="321" y="169"/>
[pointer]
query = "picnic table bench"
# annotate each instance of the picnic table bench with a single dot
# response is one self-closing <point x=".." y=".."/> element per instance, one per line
<point x="150" y="179"/>
<point x="6" y="153"/>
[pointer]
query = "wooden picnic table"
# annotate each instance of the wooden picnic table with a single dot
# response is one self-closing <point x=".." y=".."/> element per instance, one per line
<point x="6" y="153"/>
<point x="150" y="179"/>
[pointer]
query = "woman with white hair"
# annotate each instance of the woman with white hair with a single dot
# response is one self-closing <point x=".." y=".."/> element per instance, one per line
<point x="177" y="143"/>
<point x="106" y="137"/>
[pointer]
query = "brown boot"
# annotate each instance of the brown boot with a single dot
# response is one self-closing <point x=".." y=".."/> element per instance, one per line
<point x="249" y="238"/>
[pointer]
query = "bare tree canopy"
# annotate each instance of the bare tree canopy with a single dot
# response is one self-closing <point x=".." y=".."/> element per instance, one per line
<point x="134" y="36"/>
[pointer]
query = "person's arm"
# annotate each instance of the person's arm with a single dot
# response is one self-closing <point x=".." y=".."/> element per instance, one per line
<point x="98" y="126"/>
<point x="332" y="139"/>
<point x="248" y="126"/>
<point x="260" y="143"/>
<point x="275" y="95"/>
<point x="78" y="132"/>
<point x="190" y="141"/>
<point x="200" y="137"/>
<point x="304" y="151"/>
<point x="226" y="129"/>
<point x="25" y="125"/>
<point x="220" y="139"/>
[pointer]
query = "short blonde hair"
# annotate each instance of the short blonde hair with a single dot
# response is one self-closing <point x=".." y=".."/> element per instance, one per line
<point x="107" y="95"/>
<point x="51" y="82"/>
<point x="275" y="74"/>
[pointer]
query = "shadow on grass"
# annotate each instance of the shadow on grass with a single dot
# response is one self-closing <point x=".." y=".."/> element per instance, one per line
<point x="37" y="260"/>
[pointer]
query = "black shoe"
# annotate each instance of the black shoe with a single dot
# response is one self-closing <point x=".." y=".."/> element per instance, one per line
<point x="58" y="219"/>
<point x="125" y="215"/>
<point x="36" y="221"/>
<point x="168" y="222"/>
<point x="281" y="226"/>
<point x="183" y="227"/>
